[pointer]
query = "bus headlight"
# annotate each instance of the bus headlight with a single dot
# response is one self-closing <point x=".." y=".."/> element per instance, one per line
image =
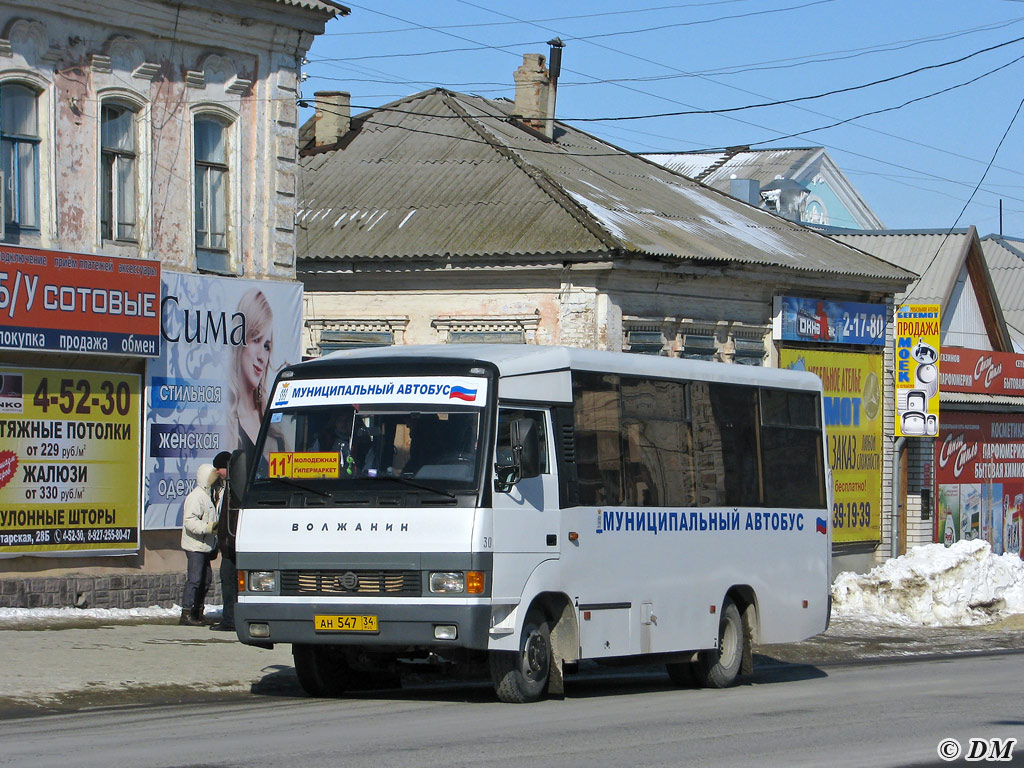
<point x="448" y="581"/>
<point x="262" y="581"/>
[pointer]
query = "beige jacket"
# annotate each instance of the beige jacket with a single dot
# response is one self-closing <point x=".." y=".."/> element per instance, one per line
<point x="199" y="520"/>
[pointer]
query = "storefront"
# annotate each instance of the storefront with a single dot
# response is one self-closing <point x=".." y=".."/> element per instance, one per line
<point x="119" y="379"/>
<point x="979" y="455"/>
<point x="843" y="343"/>
<point x="77" y="329"/>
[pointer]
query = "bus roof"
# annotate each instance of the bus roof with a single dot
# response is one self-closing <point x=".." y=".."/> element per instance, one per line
<point x="524" y="359"/>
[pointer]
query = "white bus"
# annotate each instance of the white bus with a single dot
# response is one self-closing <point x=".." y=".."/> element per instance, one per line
<point x="526" y="508"/>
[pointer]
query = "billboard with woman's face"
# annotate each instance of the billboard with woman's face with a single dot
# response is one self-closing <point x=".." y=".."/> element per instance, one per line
<point x="223" y="342"/>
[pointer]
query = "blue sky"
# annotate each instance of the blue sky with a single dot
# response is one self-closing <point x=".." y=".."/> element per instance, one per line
<point x="917" y="165"/>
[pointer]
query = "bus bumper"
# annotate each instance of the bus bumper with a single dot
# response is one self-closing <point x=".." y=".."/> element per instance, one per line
<point x="266" y="623"/>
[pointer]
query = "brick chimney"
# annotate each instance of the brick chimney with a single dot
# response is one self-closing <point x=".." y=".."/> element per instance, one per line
<point x="532" y="93"/>
<point x="333" y="116"/>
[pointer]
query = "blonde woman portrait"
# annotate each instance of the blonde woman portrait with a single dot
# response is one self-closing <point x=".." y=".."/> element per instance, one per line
<point x="250" y="379"/>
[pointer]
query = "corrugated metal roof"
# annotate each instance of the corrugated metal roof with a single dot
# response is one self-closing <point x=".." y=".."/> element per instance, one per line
<point x="717" y="168"/>
<point x="442" y="173"/>
<point x="936" y="255"/>
<point x="1005" y="258"/>
<point x="978" y="398"/>
<point x="327" y="6"/>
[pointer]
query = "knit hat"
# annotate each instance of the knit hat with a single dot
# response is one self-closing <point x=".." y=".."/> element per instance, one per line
<point x="220" y="461"/>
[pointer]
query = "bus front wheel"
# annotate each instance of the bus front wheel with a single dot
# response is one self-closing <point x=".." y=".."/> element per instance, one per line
<point x="521" y="677"/>
<point x="718" y="668"/>
<point x="322" y="670"/>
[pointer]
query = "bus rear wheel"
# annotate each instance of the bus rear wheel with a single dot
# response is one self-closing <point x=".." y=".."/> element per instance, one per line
<point x="322" y="670"/>
<point x="521" y="677"/>
<point x="718" y="668"/>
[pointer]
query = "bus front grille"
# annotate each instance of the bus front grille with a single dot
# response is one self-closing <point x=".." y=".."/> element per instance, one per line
<point x="352" y="582"/>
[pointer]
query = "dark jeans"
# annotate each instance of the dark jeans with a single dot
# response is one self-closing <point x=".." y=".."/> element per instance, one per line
<point x="198" y="577"/>
<point x="228" y="586"/>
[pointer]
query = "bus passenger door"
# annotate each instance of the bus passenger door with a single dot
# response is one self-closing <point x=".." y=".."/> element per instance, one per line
<point x="526" y="519"/>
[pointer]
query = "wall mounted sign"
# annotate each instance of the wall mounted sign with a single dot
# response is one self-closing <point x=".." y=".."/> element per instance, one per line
<point x="981" y="372"/>
<point x="917" y="335"/>
<point x="71" y="302"/>
<point x="829" y="322"/>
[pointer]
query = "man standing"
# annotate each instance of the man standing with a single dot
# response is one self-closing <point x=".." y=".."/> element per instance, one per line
<point x="199" y="521"/>
<point x="226" y="528"/>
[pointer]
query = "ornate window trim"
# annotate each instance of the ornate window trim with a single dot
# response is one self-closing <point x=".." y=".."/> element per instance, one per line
<point x="395" y="325"/>
<point x="721" y="340"/>
<point x="143" y="139"/>
<point x="526" y="325"/>
<point x="228" y="118"/>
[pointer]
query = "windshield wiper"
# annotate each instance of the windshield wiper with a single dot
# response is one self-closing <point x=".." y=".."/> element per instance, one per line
<point x="300" y="486"/>
<point x="414" y="484"/>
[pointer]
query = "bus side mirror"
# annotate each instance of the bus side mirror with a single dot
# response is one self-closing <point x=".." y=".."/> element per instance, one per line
<point x="238" y="476"/>
<point x="527" y="445"/>
<point x="522" y="460"/>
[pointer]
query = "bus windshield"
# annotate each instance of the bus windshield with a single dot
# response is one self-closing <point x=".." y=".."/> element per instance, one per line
<point x="346" y="443"/>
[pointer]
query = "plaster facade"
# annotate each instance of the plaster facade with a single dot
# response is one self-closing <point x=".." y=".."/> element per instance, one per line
<point x="167" y="64"/>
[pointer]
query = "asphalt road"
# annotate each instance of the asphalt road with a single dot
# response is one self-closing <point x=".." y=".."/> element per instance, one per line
<point x="48" y="669"/>
<point x="893" y="712"/>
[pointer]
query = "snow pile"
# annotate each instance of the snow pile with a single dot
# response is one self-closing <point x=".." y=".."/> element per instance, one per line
<point x="13" y="618"/>
<point x="936" y="586"/>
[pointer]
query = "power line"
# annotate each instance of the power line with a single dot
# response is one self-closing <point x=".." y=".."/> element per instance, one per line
<point x="833" y="92"/>
<point x="577" y="38"/>
<point x="794" y="100"/>
<point x="969" y="199"/>
<point x="515" y="20"/>
<point x="730" y="117"/>
<point x="791" y="62"/>
<point x="631" y="12"/>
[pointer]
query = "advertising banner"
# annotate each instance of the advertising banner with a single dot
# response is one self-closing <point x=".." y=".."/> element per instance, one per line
<point x="70" y="302"/>
<point x="980" y="474"/>
<point x="69" y="461"/>
<point x="223" y="342"/>
<point x="981" y="372"/>
<point x="853" y="420"/>
<point x="917" y="370"/>
<point x="832" y="322"/>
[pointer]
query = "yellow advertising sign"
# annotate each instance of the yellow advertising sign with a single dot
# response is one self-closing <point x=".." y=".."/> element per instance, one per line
<point x="69" y="461"/>
<point x="917" y="370"/>
<point x="304" y="465"/>
<point x="853" y="421"/>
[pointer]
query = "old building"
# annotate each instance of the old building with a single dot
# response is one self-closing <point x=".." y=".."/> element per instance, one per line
<point x="149" y="162"/>
<point x="802" y="183"/>
<point x="450" y="218"/>
<point x="963" y="481"/>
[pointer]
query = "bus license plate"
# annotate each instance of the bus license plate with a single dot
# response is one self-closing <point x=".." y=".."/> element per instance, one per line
<point x="345" y="623"/>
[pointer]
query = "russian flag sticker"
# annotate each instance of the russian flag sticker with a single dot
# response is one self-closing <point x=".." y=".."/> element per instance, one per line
<point x="821" y="525"/>
<point x="462" y="393"/>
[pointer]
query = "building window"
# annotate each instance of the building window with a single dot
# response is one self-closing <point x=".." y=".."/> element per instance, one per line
<point x="332" y="341"/>
<point x="511" y="336"/>
<point x="19" y="136"/>
<point x="211" y="195"/>
<point x="645" y="342"/>
<point x="749" y="351"/>
<point x="698" y="347"/>
<point x="118" y="156"/>
<point x="503" y="329"/>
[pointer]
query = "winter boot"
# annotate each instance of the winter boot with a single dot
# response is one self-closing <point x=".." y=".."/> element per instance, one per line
<point x="199" y="614"/>
<point x="187" y="619"/>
